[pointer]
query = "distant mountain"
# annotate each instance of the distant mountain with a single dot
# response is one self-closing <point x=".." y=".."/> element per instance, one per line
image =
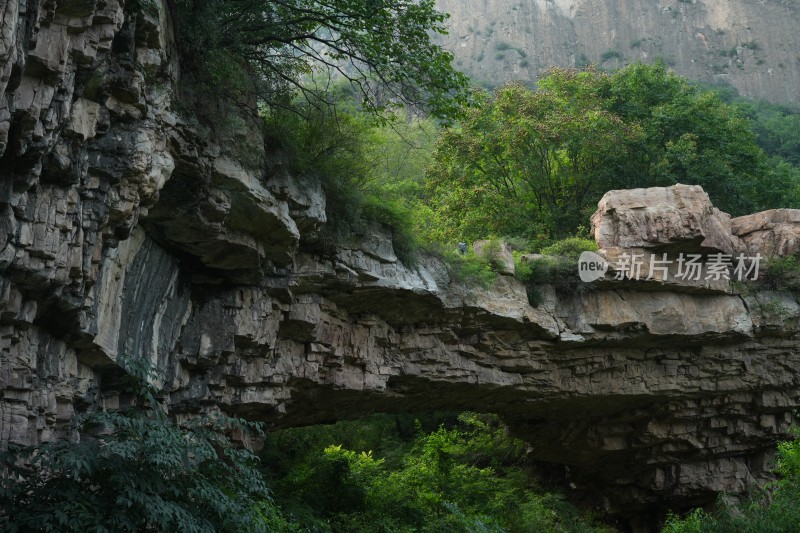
<point x="751" y="45"/>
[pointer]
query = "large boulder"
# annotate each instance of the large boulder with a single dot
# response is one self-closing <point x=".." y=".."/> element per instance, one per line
<point x="771" y="233"/>
<point x="678" y="219"/>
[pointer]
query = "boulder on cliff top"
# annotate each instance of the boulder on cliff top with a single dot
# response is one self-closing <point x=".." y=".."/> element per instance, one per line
<point x="771" y="233"/>
<point x="679" y="218"/>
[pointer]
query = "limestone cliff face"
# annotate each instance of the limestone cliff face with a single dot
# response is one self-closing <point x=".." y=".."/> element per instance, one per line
<point x="124" y="231"/>
<point x="752" y="45"/>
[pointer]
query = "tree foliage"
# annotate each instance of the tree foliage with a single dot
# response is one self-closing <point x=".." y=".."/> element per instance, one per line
<point x="371" y="173"/>
<point x="382" y="474"/>
<point x="534" y="163"/>
<point x="691" y="136"/>
<point x="383" y="47"/>
<point x="777" y="126"/>
<point x="137" y="470"/>
<point x="540" y="151"/>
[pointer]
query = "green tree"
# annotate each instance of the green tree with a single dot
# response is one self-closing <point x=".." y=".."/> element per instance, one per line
<point x="137" y="470"/>
<point x="383" y="47"/>
<point x="776" y="126"/>
<point x="467" y="475"/>
<point x="528" y="161"/>
<point x="690" y="136"/>
<point x="534" y="163"/>
<point x="371" y="173"/>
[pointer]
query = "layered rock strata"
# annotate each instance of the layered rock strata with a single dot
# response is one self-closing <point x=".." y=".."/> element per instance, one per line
<point x="123" y="230"/>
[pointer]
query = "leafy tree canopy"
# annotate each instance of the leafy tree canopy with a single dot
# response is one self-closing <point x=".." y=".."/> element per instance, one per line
<point x="383" y="47"/>
<point x="534" y="163"/>
<point x="370" y="173"/>
<point x="777" y="126"/>
<point x="540" y="153"/>
<point x="391" y="474"/>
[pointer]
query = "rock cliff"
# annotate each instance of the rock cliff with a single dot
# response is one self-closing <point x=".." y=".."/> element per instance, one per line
<point x="123" y="230"/>
<point x="751" y="45"/>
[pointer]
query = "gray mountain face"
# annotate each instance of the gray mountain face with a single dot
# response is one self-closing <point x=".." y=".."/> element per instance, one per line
<point x="752" y="45"/>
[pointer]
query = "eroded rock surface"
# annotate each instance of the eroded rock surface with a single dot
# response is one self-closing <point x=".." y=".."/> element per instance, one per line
<point x="124" y="231"/>
<point x="773" y="232"/>
<point x="679" y="218"/>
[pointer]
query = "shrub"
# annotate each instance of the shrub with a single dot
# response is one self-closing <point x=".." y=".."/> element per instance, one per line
<point x="466" y="474"/>
<point x="363" y="167"/>
<point x="492" y="253"/>
<point x="558" y="271"/>
<point x="571" y="247"/>
<point x="775" y="307"/>
<point x="469" y="269"/>
<point x="394" y="213"/>
<point x="558" y="267"/>
<point x="782" y="273"/>
<point x="697" y="521"/>
<point x="547" y="270"/>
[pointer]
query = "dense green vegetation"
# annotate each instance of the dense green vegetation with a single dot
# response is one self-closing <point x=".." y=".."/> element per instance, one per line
<point x="530" y="165"/>
<point x="371" y="173"/>
<point x="777" y="126"/>
<point x="534" y="163"/>
<point x="527" y="167"/>
<point x="556" y="267"/>
<point x="138" y="470"/>
<point x="394" y="473"/>
<point x="520" y="163"/>
<point x="272" y="50"/>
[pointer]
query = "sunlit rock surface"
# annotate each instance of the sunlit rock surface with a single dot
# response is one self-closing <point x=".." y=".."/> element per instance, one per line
<point x="125" y="231"/>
